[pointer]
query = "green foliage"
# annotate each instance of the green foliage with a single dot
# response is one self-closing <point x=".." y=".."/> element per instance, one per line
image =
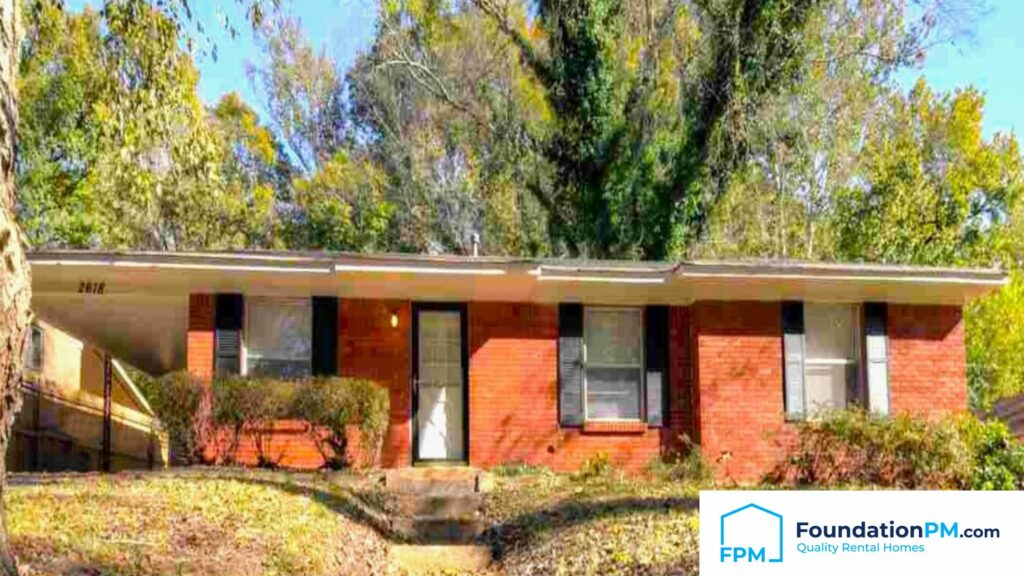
<point x="854" y="448"/>
<point x="117" y="150"/>
<point x="517" y="469"/>
<point x="597" y="467"/>
<point x="936" y="188"/>
<point x="686" y="464"/>
<point x="997" y="457"/>
<point x="252" y="406"/>
<point x="343" y="207"/>
<point x="995" y="329"/>
<point x="337" y="403"/>
<point x="177" y="400"/>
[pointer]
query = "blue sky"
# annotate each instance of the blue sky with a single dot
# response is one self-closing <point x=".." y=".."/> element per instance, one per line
<point x="993" y="60"/>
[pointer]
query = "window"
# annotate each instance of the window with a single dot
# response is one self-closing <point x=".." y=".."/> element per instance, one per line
<point x="821" y="368"/>
<point x="612" y="363"/>
<point x="279" y="337"/>
<point x="34" y="349"/>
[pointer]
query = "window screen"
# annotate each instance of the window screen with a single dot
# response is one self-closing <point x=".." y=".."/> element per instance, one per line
<point x="279" y="337"/>
<point x="830" y="361"/>
<point x="613" y="363"/>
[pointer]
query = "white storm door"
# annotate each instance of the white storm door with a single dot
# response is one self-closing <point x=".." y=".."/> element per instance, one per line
<point x="440" y="412"/>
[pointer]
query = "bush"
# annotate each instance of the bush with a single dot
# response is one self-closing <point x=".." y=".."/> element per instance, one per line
<point x="252" y="405"/>
<point x="177" y="399"/>
<point x="854" y="448"/>
<point x="596" y="467"/>
<point x="682" y="464"/>
<point x="997" y="459"/>
<point x="337" y="403"/>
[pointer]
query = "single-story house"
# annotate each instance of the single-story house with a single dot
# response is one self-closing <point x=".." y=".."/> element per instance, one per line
<point x="81" y="410"/>
<point x="492" y="360"/>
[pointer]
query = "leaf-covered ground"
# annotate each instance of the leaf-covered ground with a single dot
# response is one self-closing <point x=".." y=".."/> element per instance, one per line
<point x="554" y="524"/>
<point x="249" y="523"/>
<point x="194" y="525"/>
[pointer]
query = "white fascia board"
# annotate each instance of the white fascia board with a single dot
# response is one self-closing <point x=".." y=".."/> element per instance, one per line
<point x="405" y="269"/>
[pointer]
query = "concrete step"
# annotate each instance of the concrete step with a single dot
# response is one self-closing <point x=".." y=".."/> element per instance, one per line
<point x="437" y="505"/>
<point x="438" y="530"/>
<point x="426" y="559"/>
<point x="433" y="481"/>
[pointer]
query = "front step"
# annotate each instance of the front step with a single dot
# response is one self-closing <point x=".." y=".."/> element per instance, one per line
<point x="436" y="505"/>
<point x="434" y="481"/>
<point x="420" y="559"/>
<point x="438" y="529"/>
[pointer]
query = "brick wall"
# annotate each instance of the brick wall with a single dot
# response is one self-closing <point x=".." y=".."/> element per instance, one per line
<point x="199" y="344"/>
<point x="513" y="396"/>
<point x="370" y="348"/>
<point x="738" y="349"/>
<point x="682" y="415"/>
<point x="927" y="359"/>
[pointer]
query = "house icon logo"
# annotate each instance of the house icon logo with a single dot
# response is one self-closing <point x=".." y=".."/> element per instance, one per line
<point x="750" y="534"/>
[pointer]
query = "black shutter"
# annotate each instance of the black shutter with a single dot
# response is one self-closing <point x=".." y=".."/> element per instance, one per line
<point x="876" y="353"/>
<point x="793" y="358"/>
<point x="325" y="336"/>
<point x="656" y="338"/>
<point x="570" y="364"/>
<point x="229" y="310"/>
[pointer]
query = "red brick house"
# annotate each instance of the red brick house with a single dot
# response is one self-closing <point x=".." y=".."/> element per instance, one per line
<point x="498" y="360"/>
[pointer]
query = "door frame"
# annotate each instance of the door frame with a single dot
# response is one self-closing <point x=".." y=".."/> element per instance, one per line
<point x="461" y="308"/>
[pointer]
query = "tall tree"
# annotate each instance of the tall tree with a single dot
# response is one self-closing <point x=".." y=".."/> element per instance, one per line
<point x="304" y="92"/>
<point x="118" y="151"/>
<point x="628" y="183"/>
<point x="15" y="274"/>
<point x="442" y="104"/>
<point x="805" y="142"/>
<point x="933" y="190"/>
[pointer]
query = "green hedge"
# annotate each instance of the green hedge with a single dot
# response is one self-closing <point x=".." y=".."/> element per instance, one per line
<point x="854" y="448"/>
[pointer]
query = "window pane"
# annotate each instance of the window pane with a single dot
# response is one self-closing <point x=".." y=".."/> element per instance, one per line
<point x="279" y="337"/>
<point x="613" y="393"/>
<point x="830" y="365"/>
<point x="613" y="336"/>
<point x="830" y="330"/>
<point x="825" y="387"/>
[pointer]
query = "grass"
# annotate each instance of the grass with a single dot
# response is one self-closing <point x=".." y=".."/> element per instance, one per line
<point x="195" y="525"/>
<point x="251" y="523"/>
<point x="605" y="525"/>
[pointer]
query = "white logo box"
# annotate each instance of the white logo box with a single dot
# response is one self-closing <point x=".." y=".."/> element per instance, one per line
<point x="860" y="532"/>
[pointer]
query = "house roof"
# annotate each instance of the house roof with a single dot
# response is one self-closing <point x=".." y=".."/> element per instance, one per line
<point x="135" y="303"/>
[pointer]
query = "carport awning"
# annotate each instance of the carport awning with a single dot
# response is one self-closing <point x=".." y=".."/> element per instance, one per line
<point x="135" y="304"/>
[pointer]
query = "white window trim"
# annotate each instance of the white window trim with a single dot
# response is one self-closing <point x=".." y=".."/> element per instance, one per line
<point x="243" y="354"/>
<point x="642" y="391"/>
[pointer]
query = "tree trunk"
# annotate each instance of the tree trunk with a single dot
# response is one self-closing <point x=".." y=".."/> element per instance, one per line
<point x="15" y="278"/>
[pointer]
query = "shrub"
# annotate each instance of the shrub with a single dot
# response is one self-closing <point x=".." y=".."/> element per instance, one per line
<point x="252" y="405"/>
<point x="177" y="399"/>
<point x="854" y="448"/>
<point x="682" y="464"/>
<point x="997" y="459"/>
<point x="518" y="468"/>
<point x="337" y="403"/>
<point x="596" y="467"/>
